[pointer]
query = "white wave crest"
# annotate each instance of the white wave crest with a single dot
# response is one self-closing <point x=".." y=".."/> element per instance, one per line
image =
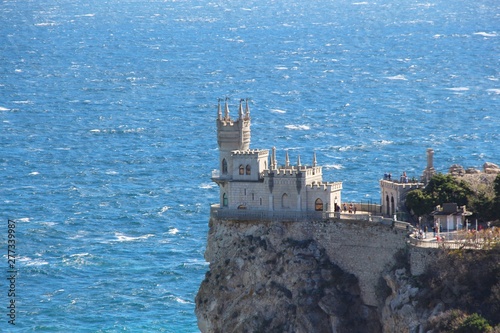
<point x="45" y="24"/>
<point x="458" y="89"/>
<point x="486" y="34"/>
<point x="333" y="166"/>
<point x="164" y="209"/>
<point x="27" y="261"/>
<point x="298" y="127"/>
<point x="173" y="231"/>
<point x="277" y="111"/>
<point x="123" y="238"/>
<point x="397" y="77"/>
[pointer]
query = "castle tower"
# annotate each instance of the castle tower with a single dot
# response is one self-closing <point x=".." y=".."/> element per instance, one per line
<point x="429" y="170"/>
<point x="232" y="134"/>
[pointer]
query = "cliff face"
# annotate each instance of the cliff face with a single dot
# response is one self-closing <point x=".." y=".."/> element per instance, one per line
<point x="298" y="277"/>
<point x="263" y="279"/>
<point x="344" y="276"/>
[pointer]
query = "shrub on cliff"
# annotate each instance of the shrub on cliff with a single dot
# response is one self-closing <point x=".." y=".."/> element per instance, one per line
<point x="474" y="324"/>
<point x="456" y="321"/>
<point x="466" y="280"/>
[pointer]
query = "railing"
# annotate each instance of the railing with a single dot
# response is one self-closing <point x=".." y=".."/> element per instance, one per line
<point x="457" y="240"/>
<point x="451" y="245"/>
<point x="264" y="215"/>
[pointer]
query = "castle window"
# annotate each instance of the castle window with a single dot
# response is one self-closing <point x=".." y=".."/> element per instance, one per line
<point x="284" y="201"/>
<point x="248" y="169"/>
<point x="224" y="200"/>
<point x="392" y="205"/>
<point x="224" y="166"/>
<point x="253" y="196"/>
<point x="260" y="201"/>
<point x="318" y="205"/>
<point x="242" y="170"/>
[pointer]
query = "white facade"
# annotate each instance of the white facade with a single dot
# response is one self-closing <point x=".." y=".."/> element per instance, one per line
<point x="251" y="179"/>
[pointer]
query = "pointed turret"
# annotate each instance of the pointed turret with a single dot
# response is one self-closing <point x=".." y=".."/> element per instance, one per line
<point x="226" y="110"/>
<point x="287" y="160"/>
<point x="298" y="161"/>
<point x="219" y="110"/>
<point x="314" y="160"/>
<point x="240" y="110"/>
<point x="247" y="110"/>
<point x="273" y="159"/>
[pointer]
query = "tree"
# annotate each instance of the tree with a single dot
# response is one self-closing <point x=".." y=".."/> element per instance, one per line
<point x="441" y="189"/>
<point x="496" y="187"/>
<point x="419" y="202"/>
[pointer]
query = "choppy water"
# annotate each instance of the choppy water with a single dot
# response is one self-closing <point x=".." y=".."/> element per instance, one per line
<point x="107" y="112"/>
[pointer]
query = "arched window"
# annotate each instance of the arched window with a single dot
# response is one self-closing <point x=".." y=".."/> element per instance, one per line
<point x="242" y="169"/>
<point x="388" y="209"/>
<point x="284" y="201"/>
<point x="392" y="205"/>
<point x="224" y="166"/>
<point x="248" y="169"/>
<point x="318" y="205"/>
<point x="224" y="200"/>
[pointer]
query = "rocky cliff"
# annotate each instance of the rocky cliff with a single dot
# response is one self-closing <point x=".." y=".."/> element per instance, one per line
<point x="315" y="276"/>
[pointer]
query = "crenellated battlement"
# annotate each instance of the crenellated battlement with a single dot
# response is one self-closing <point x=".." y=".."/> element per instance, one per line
<point x="251" y="152"/>
<point x="325" y="186"/>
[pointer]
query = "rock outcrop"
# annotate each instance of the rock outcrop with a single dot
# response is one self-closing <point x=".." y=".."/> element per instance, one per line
<point x="491" y="168"/>
<point x="332" y="276"/>
<point x="263" y="278"/>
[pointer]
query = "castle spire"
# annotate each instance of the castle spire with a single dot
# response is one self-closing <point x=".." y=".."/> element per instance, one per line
<point x="241" y="109"/>
<point x="219" y="110"/>
<point x="298" y="161"/>
<point x="226" y="113"/>
<point x="273" y="159"/>
<point x="287" y="159"/>
<point x="314" y="160"/>
<point x="247" y="109"/>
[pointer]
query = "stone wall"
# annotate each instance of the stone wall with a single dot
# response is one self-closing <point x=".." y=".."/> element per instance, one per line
<point x="339" y="276"/>
<point x="364" y="249"/>
<point x="420" y="258"/>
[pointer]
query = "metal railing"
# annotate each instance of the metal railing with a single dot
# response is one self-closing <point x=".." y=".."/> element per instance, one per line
<point x="263" y="215"/>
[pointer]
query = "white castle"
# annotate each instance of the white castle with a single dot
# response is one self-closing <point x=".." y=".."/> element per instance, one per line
<point x="252" y="182"/>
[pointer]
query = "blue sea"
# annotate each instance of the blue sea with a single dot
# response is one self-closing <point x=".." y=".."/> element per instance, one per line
<point x="108" y="137"/>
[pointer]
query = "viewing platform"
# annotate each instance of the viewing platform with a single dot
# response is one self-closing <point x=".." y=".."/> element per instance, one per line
<point x="297" y="216"/>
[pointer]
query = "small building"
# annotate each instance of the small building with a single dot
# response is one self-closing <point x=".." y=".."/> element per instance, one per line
<point x="250" y="180"/>
<point x="450" y="217"/>
<point x="393" y="190"/>
<point x="393" y="194"/>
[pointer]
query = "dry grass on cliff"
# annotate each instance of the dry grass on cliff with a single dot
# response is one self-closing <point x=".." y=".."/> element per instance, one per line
<point x="480" y="183"/>
<point x="467" y="281"/>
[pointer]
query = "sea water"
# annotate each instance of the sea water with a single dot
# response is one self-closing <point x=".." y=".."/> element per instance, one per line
<point x="107" y="112"/>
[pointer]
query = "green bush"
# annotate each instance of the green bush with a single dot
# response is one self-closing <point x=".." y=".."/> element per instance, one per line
<point x="475" y="324"/>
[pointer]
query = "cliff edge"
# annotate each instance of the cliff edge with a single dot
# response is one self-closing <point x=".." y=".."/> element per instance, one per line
<point x="314" y="276"/>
